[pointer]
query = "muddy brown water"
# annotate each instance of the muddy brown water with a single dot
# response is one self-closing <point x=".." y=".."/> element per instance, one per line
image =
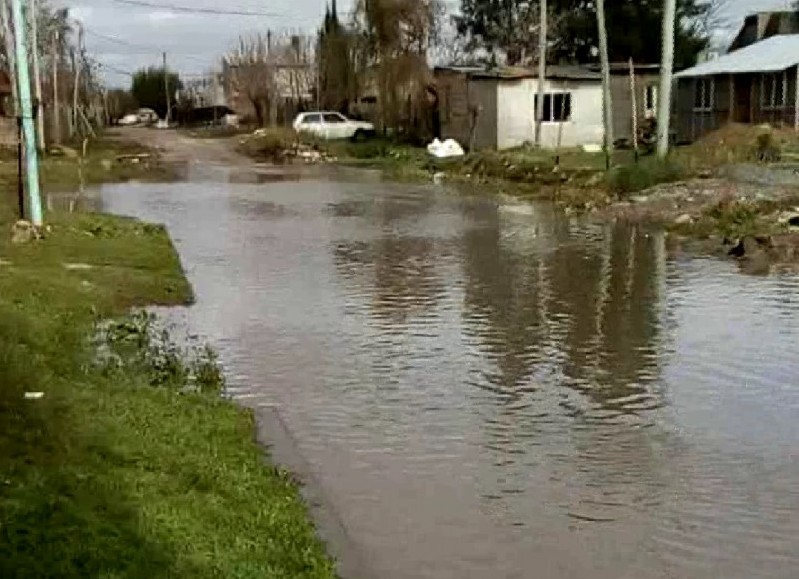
<point x="487" y="389"/>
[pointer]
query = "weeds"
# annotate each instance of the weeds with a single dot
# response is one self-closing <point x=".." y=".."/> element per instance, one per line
<point x="139" y="344"/>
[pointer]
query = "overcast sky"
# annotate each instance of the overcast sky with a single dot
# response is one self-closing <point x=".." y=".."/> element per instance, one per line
<point x="195" y="42"/>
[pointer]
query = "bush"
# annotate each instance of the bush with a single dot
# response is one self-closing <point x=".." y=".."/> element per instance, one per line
<point x="643" y="175"/>
<point x="269" y="144"/>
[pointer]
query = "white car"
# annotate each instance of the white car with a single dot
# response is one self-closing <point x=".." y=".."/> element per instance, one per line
<point x="330" y="125"/>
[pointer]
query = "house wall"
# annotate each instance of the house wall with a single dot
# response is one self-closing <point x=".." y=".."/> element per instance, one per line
<point x="516" y="114"/>
<point x="692" y="125"/>
<point x="623" y="102"/>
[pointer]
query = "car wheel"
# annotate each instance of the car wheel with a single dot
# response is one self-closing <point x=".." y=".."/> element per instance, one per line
<point x="360" y="136"/>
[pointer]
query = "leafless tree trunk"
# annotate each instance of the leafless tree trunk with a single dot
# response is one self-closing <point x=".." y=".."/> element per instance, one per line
<point x="8" y="38"/>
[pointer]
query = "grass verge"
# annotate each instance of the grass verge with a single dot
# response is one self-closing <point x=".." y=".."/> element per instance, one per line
<point x="123" y="469"/>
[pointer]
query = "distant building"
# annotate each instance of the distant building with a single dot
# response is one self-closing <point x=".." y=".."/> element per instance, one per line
<point x="754" y="82"/>
<point x="496" y="108"/>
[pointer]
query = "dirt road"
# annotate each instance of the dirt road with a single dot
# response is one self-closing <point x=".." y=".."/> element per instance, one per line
<point x="176" y="147"/>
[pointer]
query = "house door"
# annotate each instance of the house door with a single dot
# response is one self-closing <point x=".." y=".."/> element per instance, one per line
<point x="743" y="99"/>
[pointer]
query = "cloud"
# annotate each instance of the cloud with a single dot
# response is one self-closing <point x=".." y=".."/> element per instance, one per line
<point x="161" y="16"/>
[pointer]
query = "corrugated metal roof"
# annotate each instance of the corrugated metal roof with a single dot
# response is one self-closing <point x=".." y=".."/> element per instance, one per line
<point x="773" y="54"/>
<point x="555" y="72"/>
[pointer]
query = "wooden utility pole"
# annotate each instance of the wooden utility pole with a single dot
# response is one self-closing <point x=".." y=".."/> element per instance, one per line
<point x="56" y="100"/>
<point x="542" y="71"/>
<point x="77" y="63"/>
<point x="607" y="101"/>
<point x="33" y="18"/>
<point x="634" y="100"/>
<point x="666" y="71"/>
<point x="168" y="96"/>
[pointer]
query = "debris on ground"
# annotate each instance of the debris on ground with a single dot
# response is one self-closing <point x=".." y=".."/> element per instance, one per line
<point x="445" y="150"/>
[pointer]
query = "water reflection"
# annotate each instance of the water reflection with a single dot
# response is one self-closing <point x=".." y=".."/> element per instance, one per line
<point x="484" y="388"/>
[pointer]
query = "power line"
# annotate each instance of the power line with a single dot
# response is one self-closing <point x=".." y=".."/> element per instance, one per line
<point x="148" y="48"/>
<point x="190" y="10"/>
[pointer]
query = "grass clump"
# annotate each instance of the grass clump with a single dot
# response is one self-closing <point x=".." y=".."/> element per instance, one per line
<point x="650" y="171"/>
<point x="131" y="464"/>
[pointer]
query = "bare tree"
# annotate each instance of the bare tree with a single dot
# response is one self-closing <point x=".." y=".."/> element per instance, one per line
<point x="395" y="36"/>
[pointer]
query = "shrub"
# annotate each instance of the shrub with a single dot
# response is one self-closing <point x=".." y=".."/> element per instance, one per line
<point x="648" y="173"/>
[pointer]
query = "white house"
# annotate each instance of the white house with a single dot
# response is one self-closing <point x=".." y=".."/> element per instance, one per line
<point x="497" y="108"/>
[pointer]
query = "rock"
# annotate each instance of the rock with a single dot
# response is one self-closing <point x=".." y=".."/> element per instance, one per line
<point x="684" y="219"/>
<point x="62" y="151"/>
<point x="77" y="266"/>
<point x="22" y="232"/>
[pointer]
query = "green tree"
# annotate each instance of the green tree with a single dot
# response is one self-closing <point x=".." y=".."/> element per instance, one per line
<point x="149" y="88"/>
<point x="336" y="67"/>
<point x="496" y="25"/>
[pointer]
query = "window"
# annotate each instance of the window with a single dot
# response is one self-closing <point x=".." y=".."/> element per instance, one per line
<point x="650" y="101"/>
<point x="774" y="90"/>
<point x="333" y="118"/>
<point x="703" y="95"/>
<point x="311" y="119"/>
<point x="557" y="107"/>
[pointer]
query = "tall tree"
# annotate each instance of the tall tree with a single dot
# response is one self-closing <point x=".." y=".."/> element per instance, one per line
<point x="149" y="89"/>
<point x="335" y="62"/>
<point x="395" y="37"/>
<point x="510" y="26"/>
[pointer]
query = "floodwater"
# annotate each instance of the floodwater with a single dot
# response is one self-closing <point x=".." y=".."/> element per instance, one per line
<point x="487" y="389"/>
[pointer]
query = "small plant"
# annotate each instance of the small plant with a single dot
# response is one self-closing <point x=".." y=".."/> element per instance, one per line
<point x="139" y="342"/>
<point x="643" y="175"/>
<point x="767" y="151"/>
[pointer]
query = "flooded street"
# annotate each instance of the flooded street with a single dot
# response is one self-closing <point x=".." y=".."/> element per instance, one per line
<point x="485" y="389"/>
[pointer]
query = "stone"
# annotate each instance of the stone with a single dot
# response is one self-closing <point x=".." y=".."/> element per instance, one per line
<point x="61" y="151"/>
<point x="78" y="266"/>
<point x="684" y="219"/>
<point x="22" y="232"/>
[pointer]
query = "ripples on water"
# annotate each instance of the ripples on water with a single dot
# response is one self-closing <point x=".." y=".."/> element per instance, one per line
<point x="492" y="390"/>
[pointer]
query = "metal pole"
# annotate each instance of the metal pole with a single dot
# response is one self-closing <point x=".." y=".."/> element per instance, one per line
<point x="23" y="78"/>
<point x="666" y="72"/>
<point x="33" y="15"/>
<point x="542" y="72"/>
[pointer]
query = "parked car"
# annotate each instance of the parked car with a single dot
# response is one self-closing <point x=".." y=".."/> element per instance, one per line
<point x="330" y="125"/>
<point x="129" y="120"/>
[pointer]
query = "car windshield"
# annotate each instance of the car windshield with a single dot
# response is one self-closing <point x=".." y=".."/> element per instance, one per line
<point x="311" y="119"/>
<point x="334" y="118"/>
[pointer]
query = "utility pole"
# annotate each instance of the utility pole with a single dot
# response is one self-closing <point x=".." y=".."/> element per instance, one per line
<point x="23" y="80"/>
<point x="77" y="63"/>
<point x="542" y="71"/>
<point x="166" y="89"/>
<point x="607" y="101"/>
<point x="666" y="71"/>
<point x="33" y="16"/>
<point x="56" y="102"/>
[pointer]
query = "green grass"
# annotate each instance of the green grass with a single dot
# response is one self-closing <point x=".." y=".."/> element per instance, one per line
<point x="111" y="474"/>
<point x="101" y="165"/>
